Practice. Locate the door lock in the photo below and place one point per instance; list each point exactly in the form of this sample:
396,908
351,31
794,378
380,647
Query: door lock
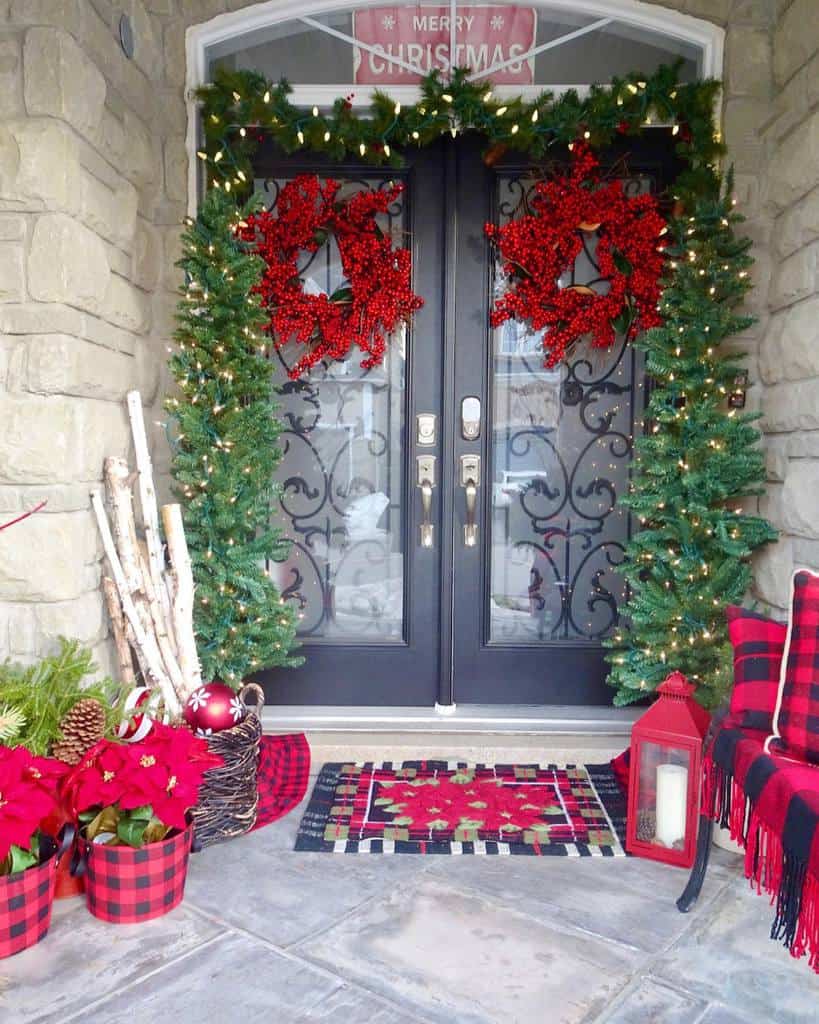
470,481
425,429
470,418
425,481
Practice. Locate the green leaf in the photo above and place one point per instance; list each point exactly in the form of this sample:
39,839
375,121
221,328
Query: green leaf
144,813
131,831
20,859
620,261
405,820
105,820
342,295
623,320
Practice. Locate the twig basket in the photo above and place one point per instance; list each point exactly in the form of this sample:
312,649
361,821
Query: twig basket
229,795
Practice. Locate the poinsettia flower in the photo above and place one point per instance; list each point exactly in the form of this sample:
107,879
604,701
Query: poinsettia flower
28,794
164,770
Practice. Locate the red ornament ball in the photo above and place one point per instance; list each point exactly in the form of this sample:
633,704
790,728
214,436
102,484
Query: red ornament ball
212,708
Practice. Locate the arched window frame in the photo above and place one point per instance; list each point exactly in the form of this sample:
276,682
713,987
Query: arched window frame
707,37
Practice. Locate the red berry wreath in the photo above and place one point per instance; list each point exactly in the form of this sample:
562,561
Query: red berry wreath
537,248
376,295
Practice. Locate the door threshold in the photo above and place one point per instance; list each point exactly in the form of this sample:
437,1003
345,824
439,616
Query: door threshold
479,719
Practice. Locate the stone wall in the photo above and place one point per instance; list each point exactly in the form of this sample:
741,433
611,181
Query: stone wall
91,199
789,349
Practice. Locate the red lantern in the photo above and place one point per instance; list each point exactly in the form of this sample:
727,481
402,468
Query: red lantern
665,772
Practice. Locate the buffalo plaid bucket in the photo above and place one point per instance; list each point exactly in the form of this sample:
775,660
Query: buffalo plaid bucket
25,904
125,885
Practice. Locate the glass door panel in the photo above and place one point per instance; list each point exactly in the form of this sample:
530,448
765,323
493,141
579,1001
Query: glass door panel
560,455
341,476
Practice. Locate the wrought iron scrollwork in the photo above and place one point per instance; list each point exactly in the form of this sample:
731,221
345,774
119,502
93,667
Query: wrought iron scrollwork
558,534
341,445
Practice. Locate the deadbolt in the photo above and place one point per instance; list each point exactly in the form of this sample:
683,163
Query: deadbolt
470,418
425,432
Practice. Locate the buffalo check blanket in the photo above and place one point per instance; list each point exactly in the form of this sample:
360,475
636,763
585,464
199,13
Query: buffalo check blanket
771,806
282,776
450,807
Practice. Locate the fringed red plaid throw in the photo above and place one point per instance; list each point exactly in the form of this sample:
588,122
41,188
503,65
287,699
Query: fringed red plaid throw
771,806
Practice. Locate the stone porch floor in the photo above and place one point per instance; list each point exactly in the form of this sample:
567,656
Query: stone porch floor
268,935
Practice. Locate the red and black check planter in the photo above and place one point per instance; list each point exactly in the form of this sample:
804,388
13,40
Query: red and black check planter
126,885
26,898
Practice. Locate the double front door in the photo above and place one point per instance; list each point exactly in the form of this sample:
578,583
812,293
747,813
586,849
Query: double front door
454,512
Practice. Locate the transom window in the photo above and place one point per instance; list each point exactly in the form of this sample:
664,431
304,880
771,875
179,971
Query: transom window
351,51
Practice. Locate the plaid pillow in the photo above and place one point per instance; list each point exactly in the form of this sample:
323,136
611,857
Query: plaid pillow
796,719
758,644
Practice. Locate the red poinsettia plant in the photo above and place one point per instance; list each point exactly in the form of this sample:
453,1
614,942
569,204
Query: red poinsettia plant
136,793
538,248
28,795
376,295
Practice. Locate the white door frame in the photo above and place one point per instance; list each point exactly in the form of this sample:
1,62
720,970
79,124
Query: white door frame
709,38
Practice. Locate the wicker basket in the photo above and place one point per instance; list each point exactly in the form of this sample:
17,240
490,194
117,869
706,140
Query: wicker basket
229,795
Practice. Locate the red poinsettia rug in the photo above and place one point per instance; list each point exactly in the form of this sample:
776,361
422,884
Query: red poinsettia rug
449,807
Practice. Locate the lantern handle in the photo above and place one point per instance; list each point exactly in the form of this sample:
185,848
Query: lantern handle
676,686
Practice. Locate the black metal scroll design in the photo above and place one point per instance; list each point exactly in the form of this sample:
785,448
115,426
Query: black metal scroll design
340,444
562,529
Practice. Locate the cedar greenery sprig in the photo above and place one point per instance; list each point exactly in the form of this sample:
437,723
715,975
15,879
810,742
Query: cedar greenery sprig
239,108
43,693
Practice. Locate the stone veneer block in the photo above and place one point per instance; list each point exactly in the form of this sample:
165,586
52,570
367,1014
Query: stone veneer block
111,212
790,349
795,406
794,278
39,165
65,565
800,499
58,364
796,38
58,439
789,175
127,306
67,263
60,80
12,276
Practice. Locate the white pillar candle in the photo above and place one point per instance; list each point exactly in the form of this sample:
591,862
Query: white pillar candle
672,790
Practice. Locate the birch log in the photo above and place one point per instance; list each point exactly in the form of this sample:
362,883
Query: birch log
144,640
126,664
150,515
183,598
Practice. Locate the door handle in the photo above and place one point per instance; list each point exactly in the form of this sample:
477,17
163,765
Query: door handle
425,483
470,481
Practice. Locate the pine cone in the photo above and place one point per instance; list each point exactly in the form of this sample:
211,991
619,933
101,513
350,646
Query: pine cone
81,728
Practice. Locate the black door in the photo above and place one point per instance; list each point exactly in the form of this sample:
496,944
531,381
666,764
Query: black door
507,597
534,581
368,591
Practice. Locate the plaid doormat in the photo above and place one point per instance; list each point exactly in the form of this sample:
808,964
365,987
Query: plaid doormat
451,807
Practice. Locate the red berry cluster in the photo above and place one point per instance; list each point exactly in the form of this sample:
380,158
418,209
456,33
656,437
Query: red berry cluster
539,247
377,294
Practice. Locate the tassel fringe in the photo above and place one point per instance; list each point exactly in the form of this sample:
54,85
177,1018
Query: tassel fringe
793,890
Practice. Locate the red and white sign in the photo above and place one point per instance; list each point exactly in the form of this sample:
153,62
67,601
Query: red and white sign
420,36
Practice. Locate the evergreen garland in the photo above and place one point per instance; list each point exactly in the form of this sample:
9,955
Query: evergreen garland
226,449
241,107
696,463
